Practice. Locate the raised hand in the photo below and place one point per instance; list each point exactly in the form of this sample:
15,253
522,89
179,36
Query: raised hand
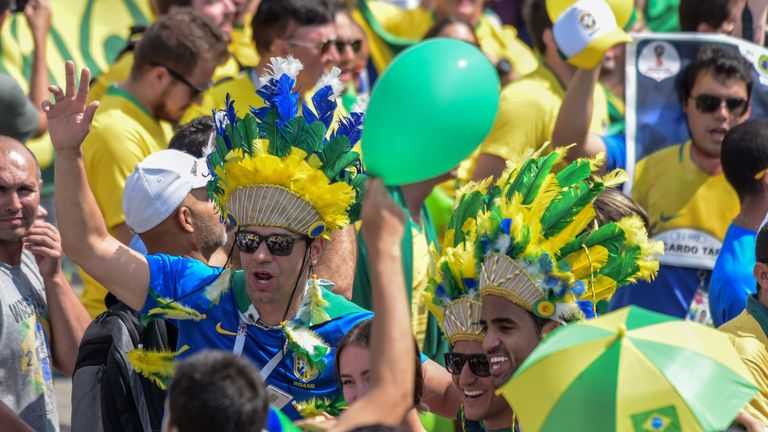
69,118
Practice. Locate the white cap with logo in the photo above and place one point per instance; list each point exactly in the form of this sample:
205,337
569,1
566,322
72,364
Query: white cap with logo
158,186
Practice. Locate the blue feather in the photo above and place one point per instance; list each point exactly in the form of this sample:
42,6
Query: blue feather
260,113
285,100
309,115
323,105
505,226
231,113
220,129
351,127
587,308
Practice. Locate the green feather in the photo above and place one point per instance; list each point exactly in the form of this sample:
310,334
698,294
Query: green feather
545,167
579,170
563,209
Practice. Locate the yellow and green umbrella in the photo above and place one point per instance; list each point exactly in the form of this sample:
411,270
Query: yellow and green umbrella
630,370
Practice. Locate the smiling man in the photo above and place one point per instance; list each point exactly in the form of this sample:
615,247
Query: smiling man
545,262
684,191
284,200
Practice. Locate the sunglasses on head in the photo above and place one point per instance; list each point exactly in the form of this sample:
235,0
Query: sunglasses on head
708,104
324,46
478,363
277,244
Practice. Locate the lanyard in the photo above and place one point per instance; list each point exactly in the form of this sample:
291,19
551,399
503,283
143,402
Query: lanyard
242,332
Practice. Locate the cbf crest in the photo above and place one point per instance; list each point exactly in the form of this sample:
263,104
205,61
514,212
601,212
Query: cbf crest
303,369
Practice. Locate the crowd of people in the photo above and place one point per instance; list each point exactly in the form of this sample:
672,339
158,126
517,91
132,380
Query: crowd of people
241,270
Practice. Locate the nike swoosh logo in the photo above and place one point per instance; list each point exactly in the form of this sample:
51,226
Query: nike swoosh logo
223,331
664,218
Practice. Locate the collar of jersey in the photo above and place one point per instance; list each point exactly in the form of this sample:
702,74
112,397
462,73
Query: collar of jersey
114,90
758,312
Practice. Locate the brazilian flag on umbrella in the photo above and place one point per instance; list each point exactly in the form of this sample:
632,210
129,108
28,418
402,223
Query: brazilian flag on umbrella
630,370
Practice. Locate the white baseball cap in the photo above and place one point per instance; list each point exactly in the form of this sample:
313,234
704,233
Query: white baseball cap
158,185
585,31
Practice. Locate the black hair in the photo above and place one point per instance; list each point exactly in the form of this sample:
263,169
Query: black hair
713,13
725,63
761,247
537,20
743,154
450,20
276,18
360,336
217,391
193,137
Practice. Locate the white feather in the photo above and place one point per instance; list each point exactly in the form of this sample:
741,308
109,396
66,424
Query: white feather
279,66
331,79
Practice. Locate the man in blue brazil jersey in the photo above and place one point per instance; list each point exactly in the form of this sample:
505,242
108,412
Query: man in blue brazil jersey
284,201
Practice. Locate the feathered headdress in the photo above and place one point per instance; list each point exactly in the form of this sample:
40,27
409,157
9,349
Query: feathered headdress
276,167
540,249
452,293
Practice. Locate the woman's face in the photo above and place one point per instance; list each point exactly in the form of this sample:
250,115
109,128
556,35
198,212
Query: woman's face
354,371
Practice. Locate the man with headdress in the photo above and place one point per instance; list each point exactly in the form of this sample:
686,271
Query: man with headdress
286,187
455,301
544,261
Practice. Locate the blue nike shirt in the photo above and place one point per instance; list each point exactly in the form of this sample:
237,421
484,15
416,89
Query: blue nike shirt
184,279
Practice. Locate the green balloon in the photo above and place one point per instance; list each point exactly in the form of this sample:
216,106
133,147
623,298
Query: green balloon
429,110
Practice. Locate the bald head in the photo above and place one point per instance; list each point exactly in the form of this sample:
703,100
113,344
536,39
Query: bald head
19,191
10,146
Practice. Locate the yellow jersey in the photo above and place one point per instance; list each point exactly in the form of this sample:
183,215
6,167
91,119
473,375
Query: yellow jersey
689,210
123,133
242,46
749,339
527,115
382,20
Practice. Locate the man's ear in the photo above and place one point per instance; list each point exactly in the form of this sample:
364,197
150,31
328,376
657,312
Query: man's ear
184,218
316,250
548,327
760,271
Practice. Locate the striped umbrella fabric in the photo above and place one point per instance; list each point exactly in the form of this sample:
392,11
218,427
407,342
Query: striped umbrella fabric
630,370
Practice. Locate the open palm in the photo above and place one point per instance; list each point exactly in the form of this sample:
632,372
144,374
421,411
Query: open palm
69,118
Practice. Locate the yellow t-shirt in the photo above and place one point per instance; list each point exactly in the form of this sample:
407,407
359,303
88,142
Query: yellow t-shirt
527,116
243,92
241,89
421,261
410,26
750,341
688,209
123,133
242,46
121,69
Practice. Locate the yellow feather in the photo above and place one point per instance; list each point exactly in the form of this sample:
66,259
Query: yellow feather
585,262
549,190
613,178
157,366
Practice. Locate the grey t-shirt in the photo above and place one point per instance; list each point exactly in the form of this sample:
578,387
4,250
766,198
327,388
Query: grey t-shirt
19,117
26,374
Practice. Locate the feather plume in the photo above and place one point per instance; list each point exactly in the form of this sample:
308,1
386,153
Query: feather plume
174,310
157,366
306,345
332,80
218,287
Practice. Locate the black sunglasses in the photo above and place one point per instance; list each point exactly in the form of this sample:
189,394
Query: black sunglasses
277,244
324,46
196,90
708,104
478,363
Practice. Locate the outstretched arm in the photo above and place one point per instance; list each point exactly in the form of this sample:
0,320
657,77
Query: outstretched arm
575,115
84,236
392,367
